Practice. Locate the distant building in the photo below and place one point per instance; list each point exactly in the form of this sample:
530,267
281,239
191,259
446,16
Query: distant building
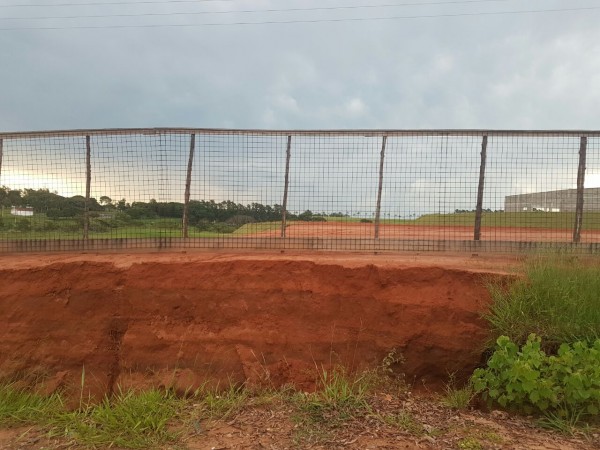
553,201
21,211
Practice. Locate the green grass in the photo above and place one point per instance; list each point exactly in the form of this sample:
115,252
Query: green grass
339,398
557,299
40,227
19,406
559,220
404,421
130,420
458,398
258,227
215,404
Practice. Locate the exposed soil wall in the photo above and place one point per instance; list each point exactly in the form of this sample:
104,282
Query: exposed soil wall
185,322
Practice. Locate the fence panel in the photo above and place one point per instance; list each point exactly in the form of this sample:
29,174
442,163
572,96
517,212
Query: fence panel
591,197
34,171
427,179
530,191
333,187
371,190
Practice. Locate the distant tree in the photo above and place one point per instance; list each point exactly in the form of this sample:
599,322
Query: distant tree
105,200
122,205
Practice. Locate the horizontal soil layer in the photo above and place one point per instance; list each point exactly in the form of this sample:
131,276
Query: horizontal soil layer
141,320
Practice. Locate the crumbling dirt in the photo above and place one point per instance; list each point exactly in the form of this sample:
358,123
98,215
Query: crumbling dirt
182,320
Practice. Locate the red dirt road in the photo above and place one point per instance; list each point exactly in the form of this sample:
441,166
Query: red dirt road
430,232
145,319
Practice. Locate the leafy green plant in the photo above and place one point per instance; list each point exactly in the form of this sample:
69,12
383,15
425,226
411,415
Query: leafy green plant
565,385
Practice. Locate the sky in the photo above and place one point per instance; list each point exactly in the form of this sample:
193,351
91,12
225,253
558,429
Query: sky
329,64
482,70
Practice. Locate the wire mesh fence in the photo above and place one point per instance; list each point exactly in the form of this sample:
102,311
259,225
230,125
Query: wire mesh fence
438,190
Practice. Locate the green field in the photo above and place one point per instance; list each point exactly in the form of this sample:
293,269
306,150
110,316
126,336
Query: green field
41,227
560,220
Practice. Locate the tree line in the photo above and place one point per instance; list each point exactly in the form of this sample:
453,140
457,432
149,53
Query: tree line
55,206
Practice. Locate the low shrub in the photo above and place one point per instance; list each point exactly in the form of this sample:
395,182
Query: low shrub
565,385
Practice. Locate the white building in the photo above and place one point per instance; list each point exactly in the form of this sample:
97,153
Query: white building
21,211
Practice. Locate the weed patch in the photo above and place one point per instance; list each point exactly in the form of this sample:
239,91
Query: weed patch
564,386
18,406
130,420
558,300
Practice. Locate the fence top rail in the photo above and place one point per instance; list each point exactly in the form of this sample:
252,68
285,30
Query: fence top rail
332,132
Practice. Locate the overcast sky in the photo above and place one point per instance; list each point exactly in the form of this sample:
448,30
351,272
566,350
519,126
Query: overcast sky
417,64
534,70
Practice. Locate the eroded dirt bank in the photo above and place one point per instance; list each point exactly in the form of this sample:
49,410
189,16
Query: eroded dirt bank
147,320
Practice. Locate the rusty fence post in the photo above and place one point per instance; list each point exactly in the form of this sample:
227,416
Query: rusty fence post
380,187
580,187
288,155
188,185
479,207
88,185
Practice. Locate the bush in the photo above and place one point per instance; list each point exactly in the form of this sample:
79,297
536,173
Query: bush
308,216
218,227
46,225
564,385
23,225
240,220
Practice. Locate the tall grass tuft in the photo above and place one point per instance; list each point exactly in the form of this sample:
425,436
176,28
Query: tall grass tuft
129,420
557,299
19,406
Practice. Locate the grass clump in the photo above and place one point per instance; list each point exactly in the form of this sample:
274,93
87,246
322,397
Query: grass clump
558,300
458,397
339,398
129,420
405,422
220,404
19,406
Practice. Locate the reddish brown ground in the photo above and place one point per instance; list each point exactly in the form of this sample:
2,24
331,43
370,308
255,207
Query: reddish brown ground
149,319
366,230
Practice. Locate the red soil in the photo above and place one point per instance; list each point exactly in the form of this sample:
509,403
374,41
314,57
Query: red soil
183,319
430,232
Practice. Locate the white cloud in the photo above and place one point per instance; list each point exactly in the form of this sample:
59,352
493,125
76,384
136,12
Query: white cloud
355,107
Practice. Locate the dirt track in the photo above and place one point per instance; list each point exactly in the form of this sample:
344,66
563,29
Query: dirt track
430,232
174,318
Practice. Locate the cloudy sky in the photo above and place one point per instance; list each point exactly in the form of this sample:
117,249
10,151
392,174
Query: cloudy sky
418,64
301,64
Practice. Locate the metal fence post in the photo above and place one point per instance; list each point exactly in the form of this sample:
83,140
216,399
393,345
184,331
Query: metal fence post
188,185
88,184
1,153
479,207
288,155
580,187
379,189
